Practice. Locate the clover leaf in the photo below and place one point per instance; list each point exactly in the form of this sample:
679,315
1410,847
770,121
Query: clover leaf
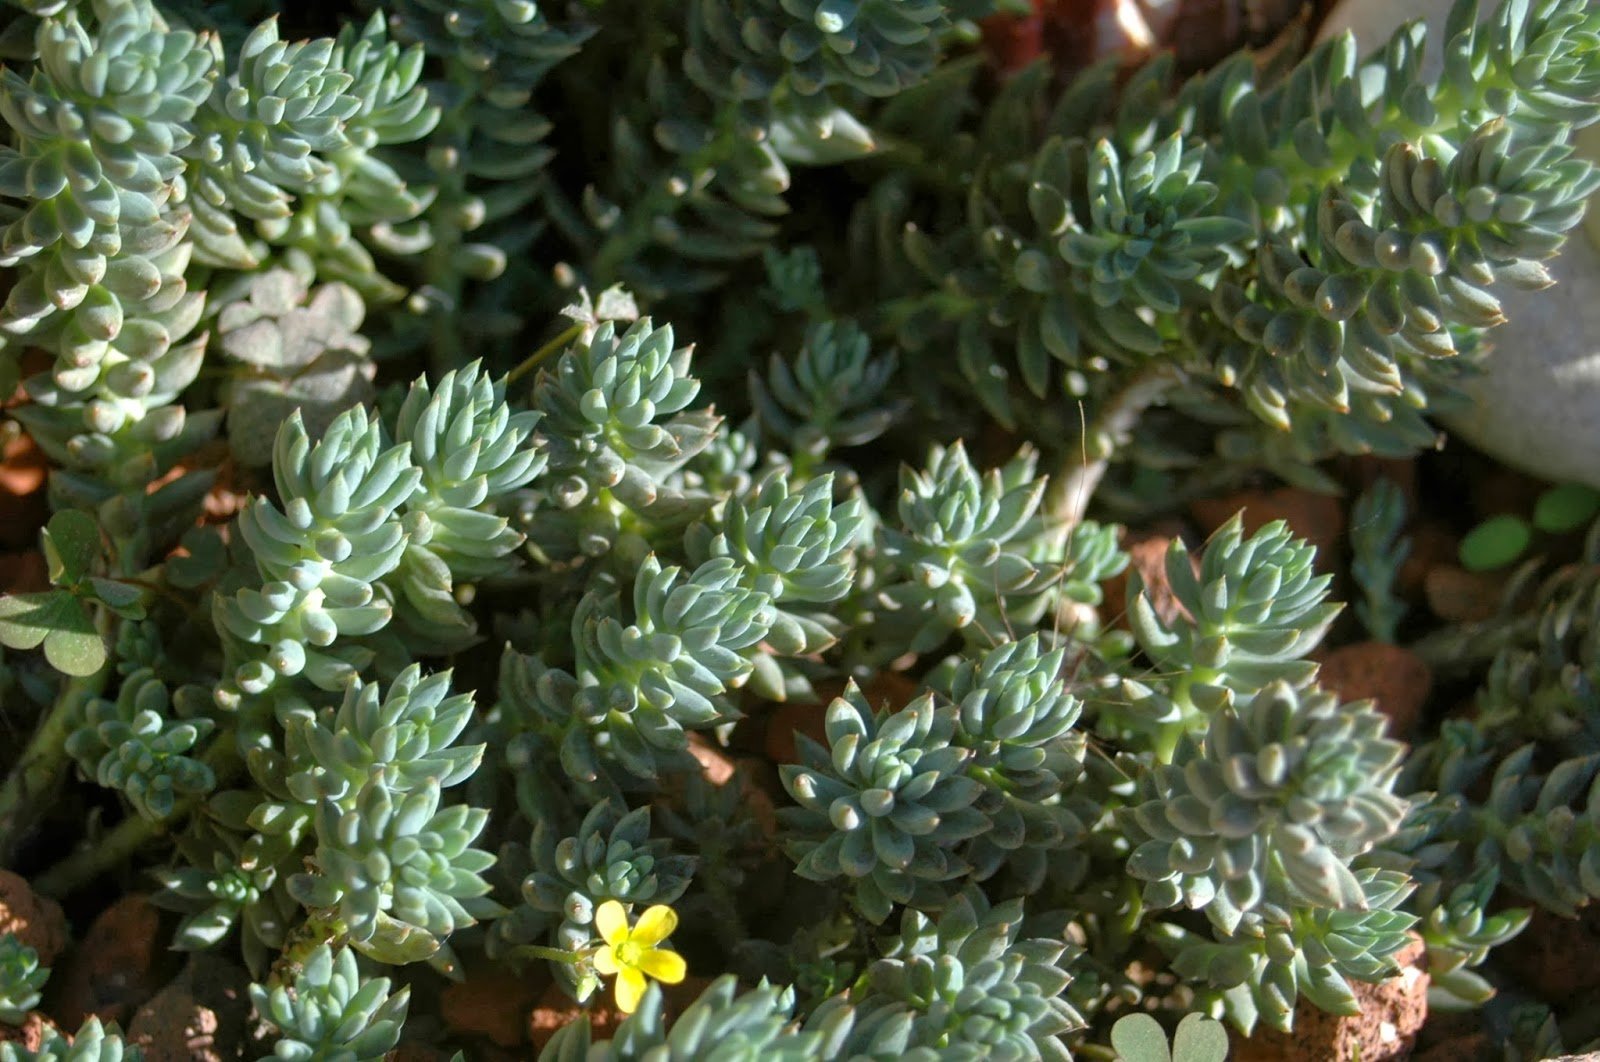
59,622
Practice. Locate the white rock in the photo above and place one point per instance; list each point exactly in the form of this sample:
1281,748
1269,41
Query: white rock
1537,407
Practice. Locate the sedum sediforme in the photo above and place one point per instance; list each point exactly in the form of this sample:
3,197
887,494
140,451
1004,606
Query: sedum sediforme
1321,242
968,985
471,450
798,549
634,694
93,1042
617,417
1273,957
1254,609
331,1011
353,505
833,395
397,866
612,856
139,744
1280,795
99,237
884,805
320,555
1522,771
21,978
961,556
483,167
1017,719
208,233
721,1023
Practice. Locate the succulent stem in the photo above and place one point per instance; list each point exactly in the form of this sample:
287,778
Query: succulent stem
1073,484
39,768
109,850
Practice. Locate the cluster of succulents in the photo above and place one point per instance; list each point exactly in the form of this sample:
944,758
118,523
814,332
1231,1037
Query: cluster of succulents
407,289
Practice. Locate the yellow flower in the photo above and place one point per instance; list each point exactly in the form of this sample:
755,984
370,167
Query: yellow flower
632,955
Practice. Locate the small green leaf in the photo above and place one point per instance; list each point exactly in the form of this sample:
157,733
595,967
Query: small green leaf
1140,1038
125,599
59,622
1200,1039
71,546
25,619
78,652
1566,508
206,559
1495,543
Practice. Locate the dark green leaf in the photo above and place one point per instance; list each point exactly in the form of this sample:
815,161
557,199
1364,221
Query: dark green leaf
1566,508
125,599
71,546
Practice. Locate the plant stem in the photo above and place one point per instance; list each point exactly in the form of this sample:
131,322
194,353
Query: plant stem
1073,484
663,200
41,765
533,360
540,951
124,839
38,771
109,851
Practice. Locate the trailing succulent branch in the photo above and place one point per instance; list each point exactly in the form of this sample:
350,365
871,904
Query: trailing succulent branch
587,633
1325,244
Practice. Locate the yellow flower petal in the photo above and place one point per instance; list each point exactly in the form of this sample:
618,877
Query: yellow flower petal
667,967
655,925
605,961
630,989
611,919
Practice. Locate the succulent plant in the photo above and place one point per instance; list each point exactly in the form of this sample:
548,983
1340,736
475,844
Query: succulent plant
1270,808
720,1023
951,553
320,556
1249,616
93,1042
100,250
331,1011
1016,717
140,745
565,879
617,425
473,453
1378,551
968,985
354,395
402,737
398,870
832,396
629,701
797,548
884,805
1277,955
21,977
